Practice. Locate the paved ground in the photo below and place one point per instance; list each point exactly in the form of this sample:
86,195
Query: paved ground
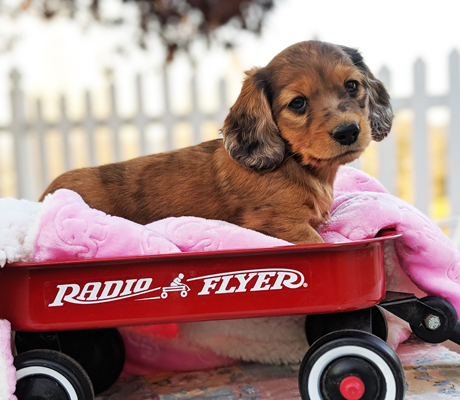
432,373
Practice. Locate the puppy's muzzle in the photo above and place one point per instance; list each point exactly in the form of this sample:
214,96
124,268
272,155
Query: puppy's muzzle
346,134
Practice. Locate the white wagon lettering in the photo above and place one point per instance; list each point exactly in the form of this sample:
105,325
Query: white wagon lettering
253,281
101,292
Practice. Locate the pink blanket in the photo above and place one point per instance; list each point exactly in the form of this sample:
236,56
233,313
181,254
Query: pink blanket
426,255
423,261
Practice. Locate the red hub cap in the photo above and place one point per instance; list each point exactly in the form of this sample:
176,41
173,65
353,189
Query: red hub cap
352,388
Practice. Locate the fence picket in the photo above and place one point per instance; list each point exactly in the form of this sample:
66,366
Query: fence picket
422,173
140,120
113,119
168,118
195,119
223,110
41,131
19,131
90,127
387,148
453,181
64,128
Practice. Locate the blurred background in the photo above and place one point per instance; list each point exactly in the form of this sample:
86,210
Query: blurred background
88,82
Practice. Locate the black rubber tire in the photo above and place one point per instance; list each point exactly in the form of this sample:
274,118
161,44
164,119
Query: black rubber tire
316,325
379,323
341,354
100,352
448,316
50,375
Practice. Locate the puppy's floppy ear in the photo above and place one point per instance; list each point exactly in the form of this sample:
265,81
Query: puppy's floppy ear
380,112
250,134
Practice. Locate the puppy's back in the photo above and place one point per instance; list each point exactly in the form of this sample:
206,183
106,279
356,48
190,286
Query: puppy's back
152,187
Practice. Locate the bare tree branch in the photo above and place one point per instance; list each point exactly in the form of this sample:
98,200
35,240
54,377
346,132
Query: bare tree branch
177,23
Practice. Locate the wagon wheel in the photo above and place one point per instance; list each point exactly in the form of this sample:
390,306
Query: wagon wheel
100,352
50,375
379,323
351,365
445,321
318,325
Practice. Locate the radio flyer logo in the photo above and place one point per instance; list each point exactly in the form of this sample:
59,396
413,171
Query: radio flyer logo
176,286
269,279
101,292
252,281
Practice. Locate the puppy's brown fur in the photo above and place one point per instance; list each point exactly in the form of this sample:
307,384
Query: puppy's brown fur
274,169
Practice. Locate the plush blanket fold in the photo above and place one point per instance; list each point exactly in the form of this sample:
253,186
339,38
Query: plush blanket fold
63,227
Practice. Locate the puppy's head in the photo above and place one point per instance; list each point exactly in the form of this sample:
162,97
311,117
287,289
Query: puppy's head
316,100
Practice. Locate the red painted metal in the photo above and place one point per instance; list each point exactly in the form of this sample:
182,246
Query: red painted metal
309,279
352,388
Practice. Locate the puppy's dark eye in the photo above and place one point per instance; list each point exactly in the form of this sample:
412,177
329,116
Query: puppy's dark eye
352,87
298,104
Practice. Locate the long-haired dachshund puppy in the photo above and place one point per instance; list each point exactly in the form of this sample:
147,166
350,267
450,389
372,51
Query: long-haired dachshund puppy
314,107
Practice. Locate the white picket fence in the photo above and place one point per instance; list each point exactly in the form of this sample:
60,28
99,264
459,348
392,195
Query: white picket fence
30,157
419,103
22,129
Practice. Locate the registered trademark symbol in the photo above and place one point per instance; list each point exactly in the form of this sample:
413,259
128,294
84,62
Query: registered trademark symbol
305,285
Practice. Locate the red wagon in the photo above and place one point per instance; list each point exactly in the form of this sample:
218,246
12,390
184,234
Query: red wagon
65,313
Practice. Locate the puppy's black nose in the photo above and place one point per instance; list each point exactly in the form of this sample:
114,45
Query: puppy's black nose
346,134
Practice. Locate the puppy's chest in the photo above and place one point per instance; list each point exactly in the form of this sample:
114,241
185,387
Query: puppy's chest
291,204
317,206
